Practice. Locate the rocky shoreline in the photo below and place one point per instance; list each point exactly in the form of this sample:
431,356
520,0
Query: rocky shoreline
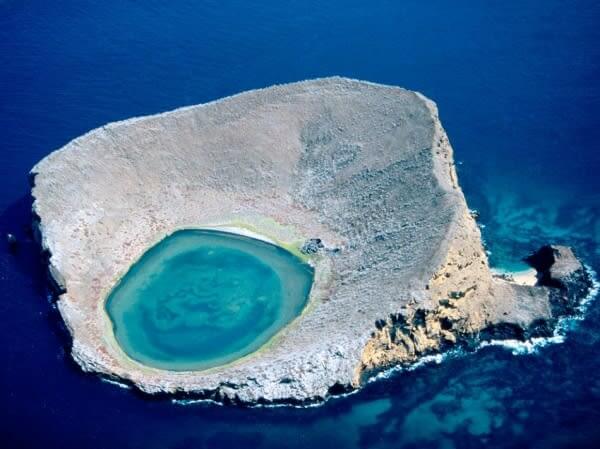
562,281
358,177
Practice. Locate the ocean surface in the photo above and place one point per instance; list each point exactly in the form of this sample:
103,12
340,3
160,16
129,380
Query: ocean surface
518,88
200,299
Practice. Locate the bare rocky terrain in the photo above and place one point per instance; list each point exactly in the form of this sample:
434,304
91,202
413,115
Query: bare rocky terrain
366,168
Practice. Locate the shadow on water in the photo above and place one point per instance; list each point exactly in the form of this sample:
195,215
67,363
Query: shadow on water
29,269
25,255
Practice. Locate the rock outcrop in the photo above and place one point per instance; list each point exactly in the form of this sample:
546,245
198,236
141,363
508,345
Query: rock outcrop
358,176
563,273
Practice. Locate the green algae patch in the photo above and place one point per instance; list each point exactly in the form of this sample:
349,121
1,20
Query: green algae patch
204,298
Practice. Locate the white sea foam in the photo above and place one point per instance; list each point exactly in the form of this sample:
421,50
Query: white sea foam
116,382
189,402
518,347
429,359
423,361
195,401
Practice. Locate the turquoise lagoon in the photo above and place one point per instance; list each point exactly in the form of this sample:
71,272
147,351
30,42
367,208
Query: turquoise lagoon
203,298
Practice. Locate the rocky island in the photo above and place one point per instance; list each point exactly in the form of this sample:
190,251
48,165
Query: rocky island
355,178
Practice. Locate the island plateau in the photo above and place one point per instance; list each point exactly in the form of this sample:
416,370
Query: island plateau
355,180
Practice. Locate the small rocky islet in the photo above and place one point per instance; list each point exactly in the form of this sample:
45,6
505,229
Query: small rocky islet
357,178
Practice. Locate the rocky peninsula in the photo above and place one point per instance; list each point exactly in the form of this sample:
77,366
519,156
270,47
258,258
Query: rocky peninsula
357,177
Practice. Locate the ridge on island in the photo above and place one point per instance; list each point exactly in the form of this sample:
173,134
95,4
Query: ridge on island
358,175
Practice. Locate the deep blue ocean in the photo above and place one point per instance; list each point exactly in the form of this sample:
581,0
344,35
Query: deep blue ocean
518,88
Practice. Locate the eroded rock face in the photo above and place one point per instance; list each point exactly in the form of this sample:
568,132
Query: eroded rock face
357,175
559,269
473,305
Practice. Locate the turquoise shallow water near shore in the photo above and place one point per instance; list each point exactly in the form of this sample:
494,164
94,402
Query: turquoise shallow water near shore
202,298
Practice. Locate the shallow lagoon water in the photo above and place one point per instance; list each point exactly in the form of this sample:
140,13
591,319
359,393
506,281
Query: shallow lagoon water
202,298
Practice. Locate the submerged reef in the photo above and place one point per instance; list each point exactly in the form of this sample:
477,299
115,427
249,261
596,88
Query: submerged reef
355,177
